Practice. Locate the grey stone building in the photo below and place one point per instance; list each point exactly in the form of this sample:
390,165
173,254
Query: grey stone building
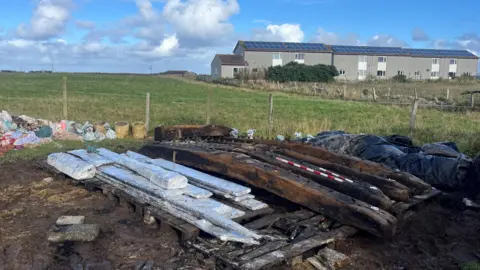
352,62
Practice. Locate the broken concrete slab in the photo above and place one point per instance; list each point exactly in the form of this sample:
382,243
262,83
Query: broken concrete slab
78,232
70,220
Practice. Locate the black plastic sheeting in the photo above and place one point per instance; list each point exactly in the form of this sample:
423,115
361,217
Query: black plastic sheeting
439,164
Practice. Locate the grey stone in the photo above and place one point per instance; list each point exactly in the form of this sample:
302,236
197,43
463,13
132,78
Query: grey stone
144,265
70,220
106,265
81,232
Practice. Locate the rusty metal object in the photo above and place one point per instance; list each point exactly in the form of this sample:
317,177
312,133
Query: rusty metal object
163,133
283,183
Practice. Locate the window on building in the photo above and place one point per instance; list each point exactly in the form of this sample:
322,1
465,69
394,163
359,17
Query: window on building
382,59
453,61
400,72
299,56
254,70
381,73
361,73
417,73
434,74
452,75
235,70
216,71
341,72
277,56
435,61
362,58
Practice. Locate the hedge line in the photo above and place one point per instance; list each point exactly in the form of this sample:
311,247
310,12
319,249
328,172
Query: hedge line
295,72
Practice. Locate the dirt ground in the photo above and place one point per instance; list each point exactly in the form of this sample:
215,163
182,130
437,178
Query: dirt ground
436,237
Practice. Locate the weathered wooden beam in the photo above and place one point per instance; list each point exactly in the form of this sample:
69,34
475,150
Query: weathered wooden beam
357,189
414,183
295,188
190,131
389,187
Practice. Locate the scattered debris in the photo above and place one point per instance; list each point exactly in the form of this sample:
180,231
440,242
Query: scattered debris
79,232
329,259
48,180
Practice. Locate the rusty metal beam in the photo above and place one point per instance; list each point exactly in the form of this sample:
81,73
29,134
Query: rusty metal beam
283,183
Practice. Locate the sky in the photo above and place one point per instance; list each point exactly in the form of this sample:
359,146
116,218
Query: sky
134,35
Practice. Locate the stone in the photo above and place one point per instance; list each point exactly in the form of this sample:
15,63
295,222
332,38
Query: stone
80,232
144,265
106,265
48,180
70,220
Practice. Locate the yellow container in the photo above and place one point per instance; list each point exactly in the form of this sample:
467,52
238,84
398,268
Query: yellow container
138,130
100,127
122,128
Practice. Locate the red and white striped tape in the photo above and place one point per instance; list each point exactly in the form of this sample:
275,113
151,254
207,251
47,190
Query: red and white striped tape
323,172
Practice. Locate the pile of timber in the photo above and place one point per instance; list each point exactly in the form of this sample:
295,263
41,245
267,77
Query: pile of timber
165,186
357,193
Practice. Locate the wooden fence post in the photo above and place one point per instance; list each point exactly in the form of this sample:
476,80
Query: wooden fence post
147,114
415,93
413,115
209,101
344,91
472,100
374,94
270,116
448,93
65,108
296,88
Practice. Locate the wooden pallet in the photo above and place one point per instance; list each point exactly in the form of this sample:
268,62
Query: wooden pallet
292,234
185,230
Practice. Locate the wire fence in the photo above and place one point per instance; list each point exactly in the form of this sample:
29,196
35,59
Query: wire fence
281,114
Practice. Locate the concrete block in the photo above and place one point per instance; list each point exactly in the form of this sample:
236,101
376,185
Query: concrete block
81,232
70,220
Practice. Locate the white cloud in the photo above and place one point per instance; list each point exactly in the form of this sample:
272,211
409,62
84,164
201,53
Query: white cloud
201,19
386,41
419,35
49,19
85,24
284,32
335,39
166,48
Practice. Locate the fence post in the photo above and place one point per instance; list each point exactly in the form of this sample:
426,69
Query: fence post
344,91
270,116
65,109
413,115
374,94
209,101
296,89
147,114
415,92
448,93
472,100
389,92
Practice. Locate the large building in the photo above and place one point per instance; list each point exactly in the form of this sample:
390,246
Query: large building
352,62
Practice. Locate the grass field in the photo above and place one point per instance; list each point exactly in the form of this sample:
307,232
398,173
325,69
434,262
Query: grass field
111,98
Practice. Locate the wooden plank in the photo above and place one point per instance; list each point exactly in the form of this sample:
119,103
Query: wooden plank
416,184
267,248
356,189
188,231
389,187
332,258
263,222
401,207
296,249
284,184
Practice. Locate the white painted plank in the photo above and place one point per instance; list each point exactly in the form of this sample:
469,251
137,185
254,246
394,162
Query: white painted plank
195,176
91,158
156,175
188,204
71,166
196,192
253,204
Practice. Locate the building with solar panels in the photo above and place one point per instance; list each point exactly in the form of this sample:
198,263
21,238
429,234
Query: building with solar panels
352,62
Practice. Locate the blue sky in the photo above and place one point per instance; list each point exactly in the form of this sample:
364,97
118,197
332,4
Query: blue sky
130,35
